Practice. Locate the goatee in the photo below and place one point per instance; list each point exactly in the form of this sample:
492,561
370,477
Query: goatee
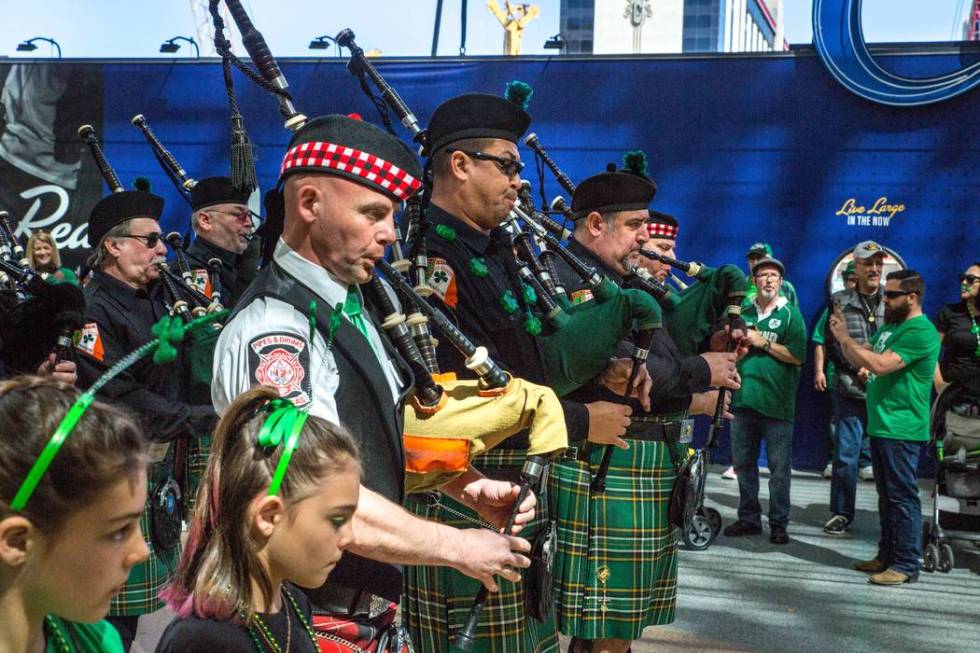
898,314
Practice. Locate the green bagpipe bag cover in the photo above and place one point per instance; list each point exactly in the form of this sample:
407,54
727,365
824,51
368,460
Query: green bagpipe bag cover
692,312
590,334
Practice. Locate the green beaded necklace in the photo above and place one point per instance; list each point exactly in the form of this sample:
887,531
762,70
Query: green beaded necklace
270,641
54,632
974,329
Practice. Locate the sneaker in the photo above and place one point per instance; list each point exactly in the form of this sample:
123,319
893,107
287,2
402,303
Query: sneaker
836,525
892,577
778,534
873,566
866,473
741,528
729,474
828,471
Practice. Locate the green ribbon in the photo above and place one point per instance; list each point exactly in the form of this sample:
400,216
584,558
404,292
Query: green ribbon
532,325
446,232
509,302
530,297
478,267
169,333
282,427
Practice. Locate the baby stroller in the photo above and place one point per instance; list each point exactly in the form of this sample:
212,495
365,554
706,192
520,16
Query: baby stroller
955,425
698,524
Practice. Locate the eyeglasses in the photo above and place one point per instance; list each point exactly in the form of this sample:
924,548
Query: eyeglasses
969,279
241,215
895,294
508,166
150,240
767,275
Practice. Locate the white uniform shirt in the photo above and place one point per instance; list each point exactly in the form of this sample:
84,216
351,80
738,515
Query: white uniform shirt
267,343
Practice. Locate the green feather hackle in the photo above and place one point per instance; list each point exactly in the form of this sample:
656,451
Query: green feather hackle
142,183
635,161
519,93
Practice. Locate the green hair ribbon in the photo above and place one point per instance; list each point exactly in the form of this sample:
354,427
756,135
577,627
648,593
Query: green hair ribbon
169,333
283,427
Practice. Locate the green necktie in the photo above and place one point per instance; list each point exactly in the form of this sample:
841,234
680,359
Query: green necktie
353,311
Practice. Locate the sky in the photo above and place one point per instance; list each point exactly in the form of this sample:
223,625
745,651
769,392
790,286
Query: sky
135,28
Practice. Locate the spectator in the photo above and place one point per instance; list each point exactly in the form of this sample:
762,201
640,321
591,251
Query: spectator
824,375
863,310
764,407
959,330
43,257
756,253
901,364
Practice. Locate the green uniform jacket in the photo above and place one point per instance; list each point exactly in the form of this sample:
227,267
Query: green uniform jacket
768,384
898,403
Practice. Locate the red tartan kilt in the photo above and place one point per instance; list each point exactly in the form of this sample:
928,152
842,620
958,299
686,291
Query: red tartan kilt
342,635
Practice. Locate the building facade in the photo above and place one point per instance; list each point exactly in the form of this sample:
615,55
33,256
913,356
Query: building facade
671,26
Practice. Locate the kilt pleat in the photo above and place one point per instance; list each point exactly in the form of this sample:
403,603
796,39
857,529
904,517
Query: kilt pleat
436,601
616,561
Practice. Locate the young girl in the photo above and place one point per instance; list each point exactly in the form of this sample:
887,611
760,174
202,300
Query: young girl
68,549
275,505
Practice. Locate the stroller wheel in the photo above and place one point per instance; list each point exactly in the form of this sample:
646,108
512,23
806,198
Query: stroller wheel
698,534
930,558
714,519
946,558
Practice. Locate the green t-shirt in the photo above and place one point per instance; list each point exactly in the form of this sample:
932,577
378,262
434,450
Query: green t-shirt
99,637
819,337
898,403
768,384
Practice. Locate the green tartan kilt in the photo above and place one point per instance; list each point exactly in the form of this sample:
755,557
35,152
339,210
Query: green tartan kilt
436,601
616,559
140,594
198,451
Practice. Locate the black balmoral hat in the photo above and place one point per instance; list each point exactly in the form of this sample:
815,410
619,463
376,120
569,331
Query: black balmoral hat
612,191
356,150
119,207
475,115
216,190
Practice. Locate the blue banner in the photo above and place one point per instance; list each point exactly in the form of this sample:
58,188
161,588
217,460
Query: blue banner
743,149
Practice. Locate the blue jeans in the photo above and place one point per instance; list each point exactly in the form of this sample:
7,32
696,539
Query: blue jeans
748,429
832,430
899,509
852,420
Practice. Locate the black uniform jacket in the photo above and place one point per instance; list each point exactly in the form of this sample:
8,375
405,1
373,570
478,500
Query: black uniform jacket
118,321
474,303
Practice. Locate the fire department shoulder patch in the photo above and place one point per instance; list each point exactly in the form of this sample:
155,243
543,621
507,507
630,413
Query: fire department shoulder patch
89,341
441,278
201,282
581,296
282,360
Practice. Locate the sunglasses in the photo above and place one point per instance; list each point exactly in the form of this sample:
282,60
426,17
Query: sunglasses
150,240
895,294
508,166
969,279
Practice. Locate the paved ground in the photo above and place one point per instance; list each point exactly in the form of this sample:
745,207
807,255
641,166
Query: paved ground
747,595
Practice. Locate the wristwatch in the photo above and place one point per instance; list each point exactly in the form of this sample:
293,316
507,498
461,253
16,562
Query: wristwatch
766,347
